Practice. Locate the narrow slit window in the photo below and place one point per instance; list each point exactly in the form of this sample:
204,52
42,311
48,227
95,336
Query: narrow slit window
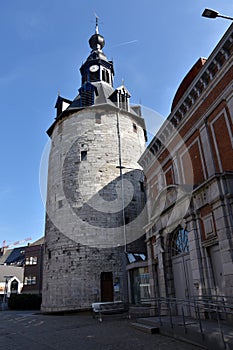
83,155
142,186
135,129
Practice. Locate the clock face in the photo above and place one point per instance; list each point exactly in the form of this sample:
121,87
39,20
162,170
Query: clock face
94,68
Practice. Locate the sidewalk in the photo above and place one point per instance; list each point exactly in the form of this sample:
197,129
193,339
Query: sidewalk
208,336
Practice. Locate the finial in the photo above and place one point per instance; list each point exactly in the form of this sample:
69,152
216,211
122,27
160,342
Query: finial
58,93
96,41
96,24
123,82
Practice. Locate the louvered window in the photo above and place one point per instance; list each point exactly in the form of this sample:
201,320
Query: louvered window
87,95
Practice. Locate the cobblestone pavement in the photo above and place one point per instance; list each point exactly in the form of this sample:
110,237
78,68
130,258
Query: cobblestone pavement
31,331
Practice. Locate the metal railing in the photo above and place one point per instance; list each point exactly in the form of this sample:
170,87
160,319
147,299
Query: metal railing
200,308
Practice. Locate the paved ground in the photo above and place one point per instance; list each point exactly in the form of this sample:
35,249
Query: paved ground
30,331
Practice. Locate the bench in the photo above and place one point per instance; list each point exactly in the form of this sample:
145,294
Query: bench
109,308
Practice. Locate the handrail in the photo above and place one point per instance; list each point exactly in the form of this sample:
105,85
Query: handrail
192,302
197,304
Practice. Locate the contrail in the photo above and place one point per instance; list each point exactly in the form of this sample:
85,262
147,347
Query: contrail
125,43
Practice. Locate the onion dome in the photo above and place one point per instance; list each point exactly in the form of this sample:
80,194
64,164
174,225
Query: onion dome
97,41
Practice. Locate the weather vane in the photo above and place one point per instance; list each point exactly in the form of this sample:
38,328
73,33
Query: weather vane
96,23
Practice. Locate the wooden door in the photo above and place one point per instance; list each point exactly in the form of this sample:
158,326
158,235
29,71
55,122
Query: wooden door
106,286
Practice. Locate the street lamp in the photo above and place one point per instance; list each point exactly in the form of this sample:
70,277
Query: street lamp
213,14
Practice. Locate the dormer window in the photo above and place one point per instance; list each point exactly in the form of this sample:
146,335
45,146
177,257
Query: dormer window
121,97
61,104
123,100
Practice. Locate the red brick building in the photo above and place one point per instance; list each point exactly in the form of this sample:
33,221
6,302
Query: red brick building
189,170
33,268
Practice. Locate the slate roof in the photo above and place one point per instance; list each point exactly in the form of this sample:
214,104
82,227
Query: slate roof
38,241
4,257
16,257
16,271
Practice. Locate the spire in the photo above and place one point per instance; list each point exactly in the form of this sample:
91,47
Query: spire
96,68
96,41
96,24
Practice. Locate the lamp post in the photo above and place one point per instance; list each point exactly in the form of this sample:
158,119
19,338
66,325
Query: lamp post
214,14
123,202
7,279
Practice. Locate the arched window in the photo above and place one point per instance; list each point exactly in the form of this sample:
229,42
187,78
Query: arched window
180,243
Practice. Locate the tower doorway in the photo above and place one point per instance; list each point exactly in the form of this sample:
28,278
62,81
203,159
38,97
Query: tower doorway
106,286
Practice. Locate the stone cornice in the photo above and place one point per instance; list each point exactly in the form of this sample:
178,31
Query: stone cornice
209,75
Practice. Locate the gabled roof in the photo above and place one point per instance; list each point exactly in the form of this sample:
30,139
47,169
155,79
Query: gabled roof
16,271
123,90
60,100
38,241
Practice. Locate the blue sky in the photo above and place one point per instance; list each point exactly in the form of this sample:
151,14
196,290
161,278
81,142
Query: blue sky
43,44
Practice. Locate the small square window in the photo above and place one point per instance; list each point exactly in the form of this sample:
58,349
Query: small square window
98,118
29,280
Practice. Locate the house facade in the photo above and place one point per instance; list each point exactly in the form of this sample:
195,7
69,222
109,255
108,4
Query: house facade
11,281
33,267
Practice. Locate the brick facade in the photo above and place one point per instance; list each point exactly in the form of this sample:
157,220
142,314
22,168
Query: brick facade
33,268
189,171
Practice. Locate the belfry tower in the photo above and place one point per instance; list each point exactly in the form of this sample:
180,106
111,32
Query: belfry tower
95,197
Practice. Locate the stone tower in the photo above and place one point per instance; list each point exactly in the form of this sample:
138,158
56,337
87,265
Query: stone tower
95,197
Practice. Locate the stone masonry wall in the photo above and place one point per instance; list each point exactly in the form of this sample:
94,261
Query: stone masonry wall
85,233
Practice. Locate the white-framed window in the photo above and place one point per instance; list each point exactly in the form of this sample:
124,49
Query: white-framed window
29,280
31,260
